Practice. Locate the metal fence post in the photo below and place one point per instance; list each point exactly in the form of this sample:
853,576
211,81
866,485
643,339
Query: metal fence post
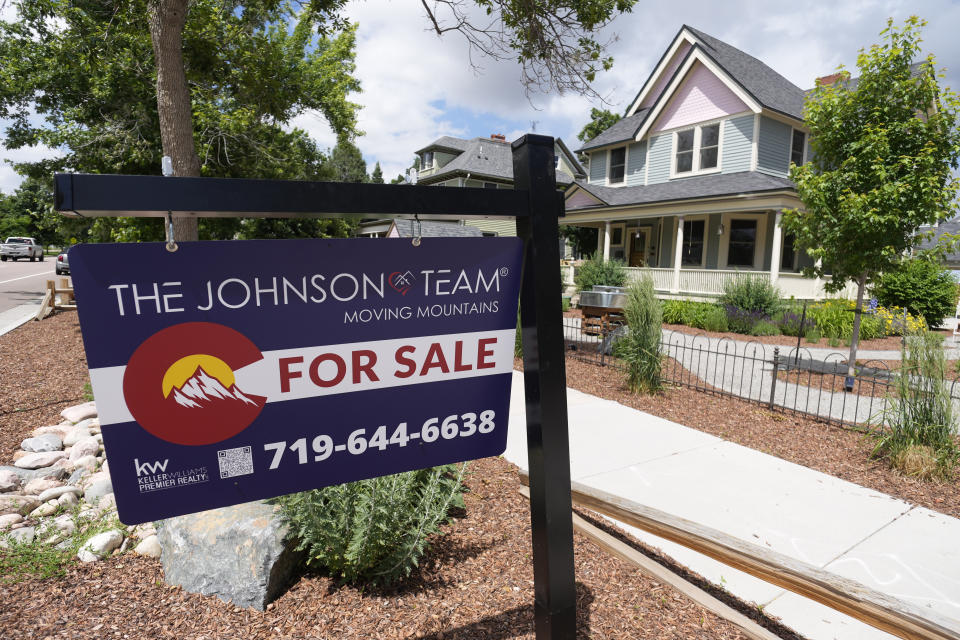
544,379
773,381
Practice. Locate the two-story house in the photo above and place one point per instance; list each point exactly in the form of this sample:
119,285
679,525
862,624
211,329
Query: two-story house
689,186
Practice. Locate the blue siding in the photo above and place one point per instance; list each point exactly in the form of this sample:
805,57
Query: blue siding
636,163
737,144
660,150
598,167
773,147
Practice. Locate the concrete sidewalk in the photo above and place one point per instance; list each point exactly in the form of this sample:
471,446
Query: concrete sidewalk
907,552
13,318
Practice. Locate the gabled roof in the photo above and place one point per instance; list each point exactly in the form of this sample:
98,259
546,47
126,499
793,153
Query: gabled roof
625,130
446,143
768,87
435,229
488,158
714,185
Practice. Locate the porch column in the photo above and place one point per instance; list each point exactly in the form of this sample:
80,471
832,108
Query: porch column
776,249
606,241
818,282
677,255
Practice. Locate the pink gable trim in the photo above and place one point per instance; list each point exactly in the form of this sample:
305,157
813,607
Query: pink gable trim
666,75
702,96
392,232
580,200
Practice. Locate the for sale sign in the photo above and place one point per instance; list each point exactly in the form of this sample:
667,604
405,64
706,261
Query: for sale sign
227,372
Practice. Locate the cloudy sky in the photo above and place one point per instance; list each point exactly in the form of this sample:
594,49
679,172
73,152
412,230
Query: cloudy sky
417,86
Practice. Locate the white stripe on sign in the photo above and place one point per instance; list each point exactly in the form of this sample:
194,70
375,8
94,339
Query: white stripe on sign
309,372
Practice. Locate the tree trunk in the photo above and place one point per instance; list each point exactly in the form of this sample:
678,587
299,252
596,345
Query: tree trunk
167,18
855,337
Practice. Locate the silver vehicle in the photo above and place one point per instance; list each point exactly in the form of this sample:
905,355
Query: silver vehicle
17,247
63,264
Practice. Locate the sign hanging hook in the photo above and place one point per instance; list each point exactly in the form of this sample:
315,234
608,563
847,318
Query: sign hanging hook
419,233
171,243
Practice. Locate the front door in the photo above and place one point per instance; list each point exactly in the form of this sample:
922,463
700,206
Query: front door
639,241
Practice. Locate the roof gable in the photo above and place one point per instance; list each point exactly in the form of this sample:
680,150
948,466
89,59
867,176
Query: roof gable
700,96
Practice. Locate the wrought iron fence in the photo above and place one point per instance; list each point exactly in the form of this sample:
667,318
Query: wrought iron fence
781,377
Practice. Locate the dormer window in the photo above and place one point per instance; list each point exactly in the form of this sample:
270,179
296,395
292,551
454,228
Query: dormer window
697,149
797,146
427,162
618,164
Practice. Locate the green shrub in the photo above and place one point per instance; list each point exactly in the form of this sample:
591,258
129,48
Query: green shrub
812,335
922,286
640,347
832,317
673,311
699,315
921,415
764,328
374,530
611,273
752,294
715,319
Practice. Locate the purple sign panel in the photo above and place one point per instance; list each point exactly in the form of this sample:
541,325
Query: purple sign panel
227,372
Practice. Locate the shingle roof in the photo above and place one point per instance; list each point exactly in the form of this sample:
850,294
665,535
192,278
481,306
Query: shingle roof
446,142
435,229
485,158
770,88
624,130
717,184
951,227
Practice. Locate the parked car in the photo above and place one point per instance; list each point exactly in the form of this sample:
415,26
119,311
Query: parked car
15,248
63,264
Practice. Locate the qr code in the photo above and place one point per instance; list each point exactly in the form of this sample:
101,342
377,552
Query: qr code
235,462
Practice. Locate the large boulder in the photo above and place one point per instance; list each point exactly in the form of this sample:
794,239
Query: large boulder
80,412
41,443
242,554
39,460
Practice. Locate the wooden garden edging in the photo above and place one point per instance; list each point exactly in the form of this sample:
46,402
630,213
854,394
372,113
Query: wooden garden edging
49,302
876,609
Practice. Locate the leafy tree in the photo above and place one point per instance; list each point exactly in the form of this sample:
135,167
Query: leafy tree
399,179
583,239
88,69
600,121
29,212
377,176
347,162
883,149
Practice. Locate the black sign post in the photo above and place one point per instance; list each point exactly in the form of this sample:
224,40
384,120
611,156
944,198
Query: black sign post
534,203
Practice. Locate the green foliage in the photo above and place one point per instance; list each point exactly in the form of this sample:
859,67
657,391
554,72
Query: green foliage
921,414
764,328
883,151
347,162
600,121
812,335
921,286
673,311
752,295
597,271
715,319
834,318
700,315
640,347
377,176
374,531
582,239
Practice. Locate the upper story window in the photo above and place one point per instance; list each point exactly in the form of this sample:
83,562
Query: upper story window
427,162
618,164
797,145
697,149
489,185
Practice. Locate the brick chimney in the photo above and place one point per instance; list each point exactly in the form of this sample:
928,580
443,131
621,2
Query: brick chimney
498,136
832,79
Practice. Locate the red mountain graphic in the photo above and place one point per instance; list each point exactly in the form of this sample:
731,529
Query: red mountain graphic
201,391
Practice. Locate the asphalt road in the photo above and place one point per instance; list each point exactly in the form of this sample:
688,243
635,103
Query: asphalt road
22,282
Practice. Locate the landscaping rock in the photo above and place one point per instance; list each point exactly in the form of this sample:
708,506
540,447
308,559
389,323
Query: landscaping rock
86,463
89,446
80,412
9,481
39,460
100,546
89,424
19,454
59,430
26,475
45,442
75,435
98,485
39,485
149,547
56,492
18,504
68,500
23,535
46,509
241,554
9,519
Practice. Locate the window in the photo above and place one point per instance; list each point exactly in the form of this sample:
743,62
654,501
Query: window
427,160
489,185
743,242
618,163
616,236
698,149
789,248
796,147
691,252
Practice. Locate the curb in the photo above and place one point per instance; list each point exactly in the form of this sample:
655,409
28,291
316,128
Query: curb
13,318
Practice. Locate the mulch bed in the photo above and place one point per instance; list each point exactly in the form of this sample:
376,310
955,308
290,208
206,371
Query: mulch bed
891,343
44,371
833,450
476,583
834,383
